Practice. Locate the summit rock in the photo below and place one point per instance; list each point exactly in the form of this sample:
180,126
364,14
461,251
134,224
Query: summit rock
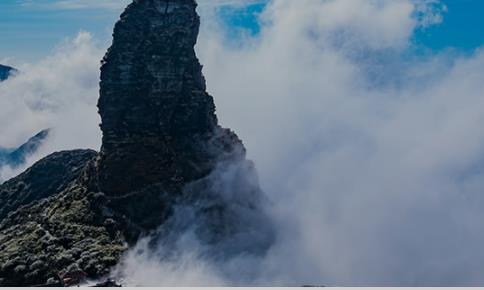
157,119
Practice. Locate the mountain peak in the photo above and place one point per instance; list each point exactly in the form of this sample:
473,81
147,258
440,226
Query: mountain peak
153,99
163,155
5,72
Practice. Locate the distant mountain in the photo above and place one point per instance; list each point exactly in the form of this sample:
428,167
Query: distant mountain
5,72
17,156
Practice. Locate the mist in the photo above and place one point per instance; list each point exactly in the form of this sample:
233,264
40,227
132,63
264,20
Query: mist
371,159
58,92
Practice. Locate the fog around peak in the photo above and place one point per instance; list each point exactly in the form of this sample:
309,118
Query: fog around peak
371,158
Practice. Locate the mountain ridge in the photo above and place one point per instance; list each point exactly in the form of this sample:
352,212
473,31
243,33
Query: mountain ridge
17,156
6,72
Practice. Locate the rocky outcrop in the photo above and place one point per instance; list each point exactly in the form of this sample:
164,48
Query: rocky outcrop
157,119
42,243
165,166
159,124
5,72
47,177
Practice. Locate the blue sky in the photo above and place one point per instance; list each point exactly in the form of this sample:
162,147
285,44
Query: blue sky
30,29
28,32
462,28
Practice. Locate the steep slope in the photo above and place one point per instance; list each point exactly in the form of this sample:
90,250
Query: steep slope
71,229
45,178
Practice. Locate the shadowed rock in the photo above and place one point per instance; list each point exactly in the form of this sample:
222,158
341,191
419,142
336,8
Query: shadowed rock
160,131
165,165
157,118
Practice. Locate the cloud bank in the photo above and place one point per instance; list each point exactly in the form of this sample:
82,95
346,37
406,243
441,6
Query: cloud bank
373,158
371,155
58,92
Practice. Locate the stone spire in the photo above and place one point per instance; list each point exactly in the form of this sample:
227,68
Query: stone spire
165,168
157,118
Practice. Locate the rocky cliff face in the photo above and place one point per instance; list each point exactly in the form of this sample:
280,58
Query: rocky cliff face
160,131
165,165
157,119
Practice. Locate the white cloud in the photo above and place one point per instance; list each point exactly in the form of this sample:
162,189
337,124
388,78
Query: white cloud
429,12
373,162
374,182
59,92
